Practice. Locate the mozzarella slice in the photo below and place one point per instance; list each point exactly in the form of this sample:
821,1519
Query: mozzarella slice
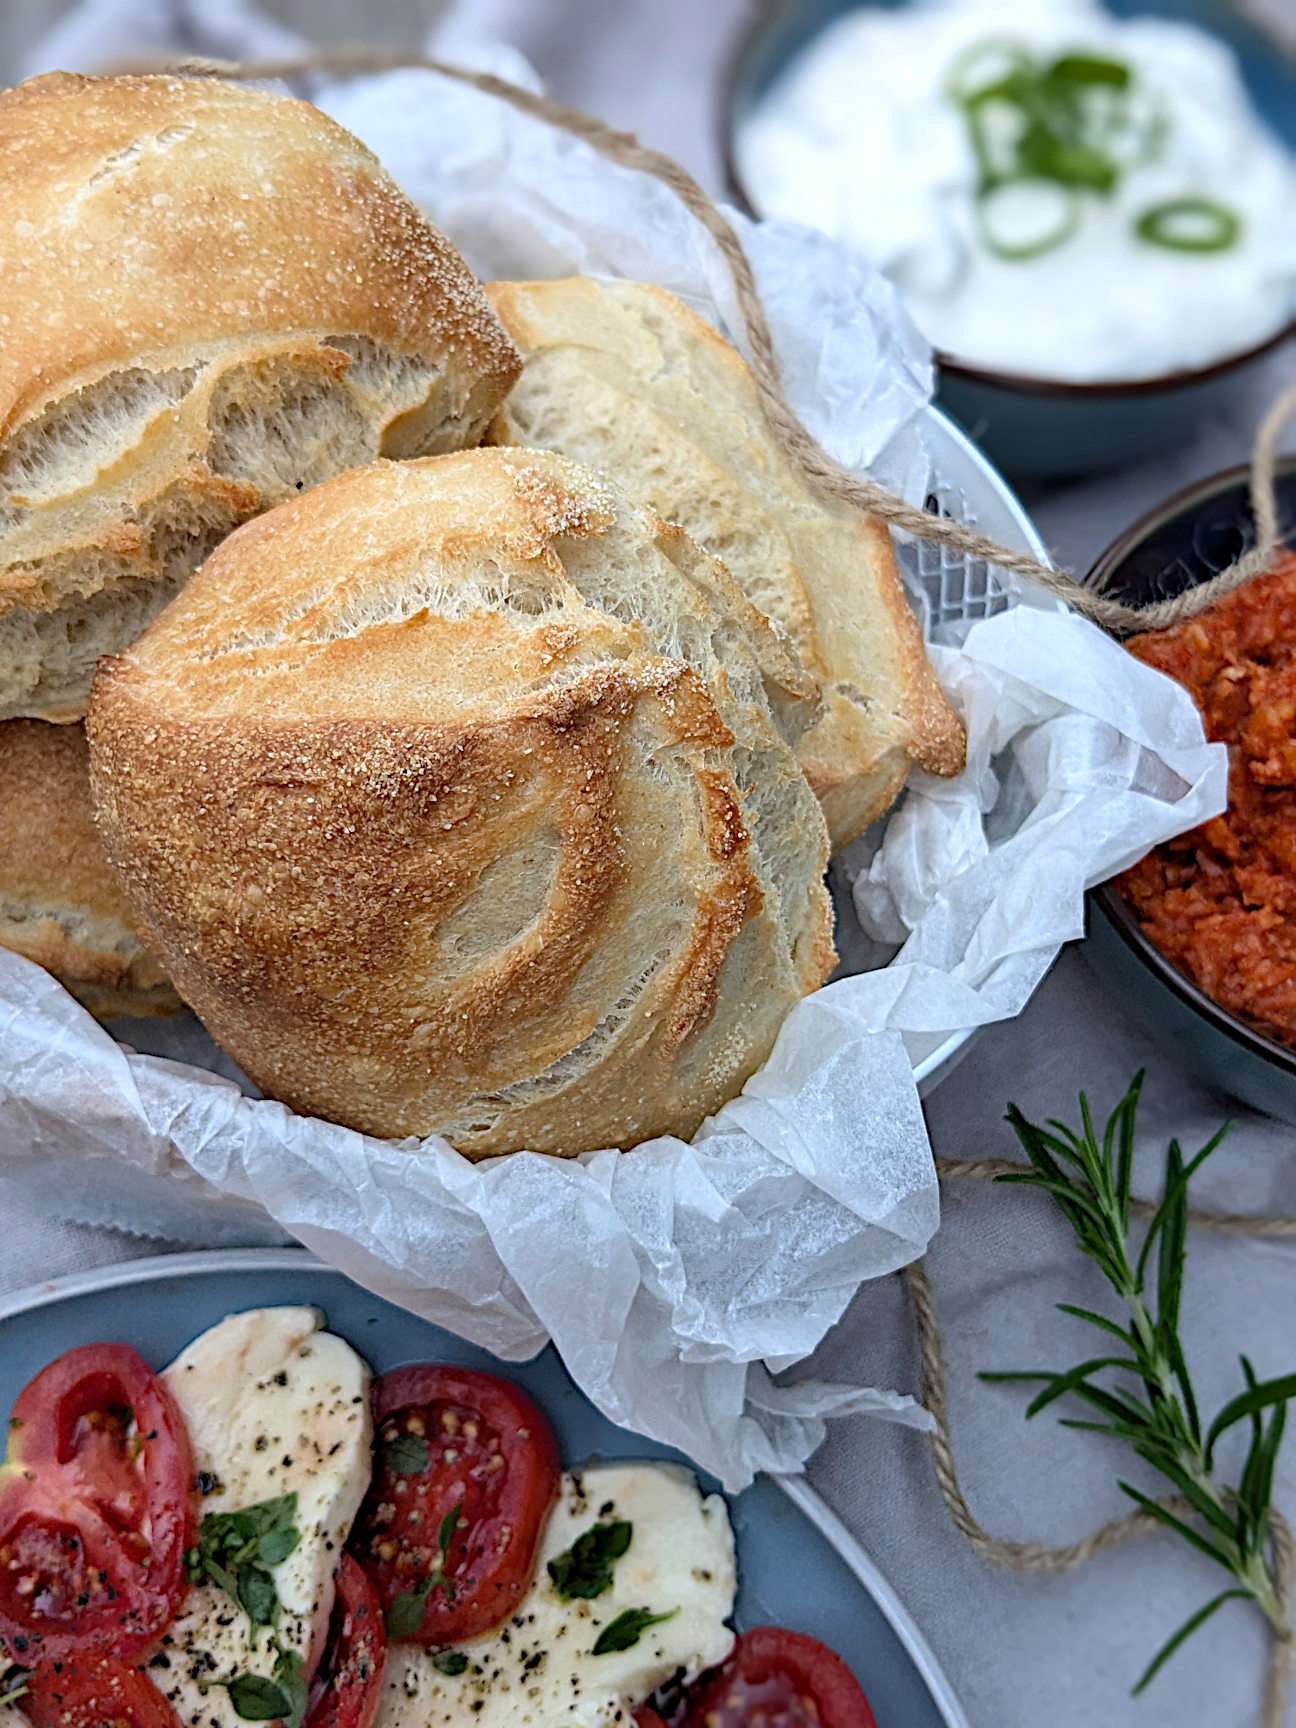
539,1667
273,1405
11,1717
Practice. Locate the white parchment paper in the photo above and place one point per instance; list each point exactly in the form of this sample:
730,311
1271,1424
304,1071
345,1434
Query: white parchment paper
673,1279
522,199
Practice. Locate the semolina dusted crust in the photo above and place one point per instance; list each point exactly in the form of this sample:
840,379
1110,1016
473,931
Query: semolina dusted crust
624,376
215,298
457,797
59,905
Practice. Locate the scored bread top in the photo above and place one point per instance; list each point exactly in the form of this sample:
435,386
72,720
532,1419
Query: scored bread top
59,905
624,376
215,298
142,215
457,798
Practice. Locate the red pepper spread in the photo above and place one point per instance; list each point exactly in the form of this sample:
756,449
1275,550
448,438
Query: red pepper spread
1220,901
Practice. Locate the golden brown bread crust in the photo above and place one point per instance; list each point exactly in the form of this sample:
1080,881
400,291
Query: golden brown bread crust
624,376
117,237
454,804
59,905
214,297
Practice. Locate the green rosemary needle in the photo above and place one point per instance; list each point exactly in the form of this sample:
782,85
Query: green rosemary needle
1159,1418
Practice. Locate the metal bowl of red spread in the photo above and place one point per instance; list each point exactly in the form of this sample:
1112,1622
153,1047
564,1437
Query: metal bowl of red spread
1199,937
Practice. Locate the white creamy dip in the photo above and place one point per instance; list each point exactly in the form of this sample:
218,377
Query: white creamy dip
860,137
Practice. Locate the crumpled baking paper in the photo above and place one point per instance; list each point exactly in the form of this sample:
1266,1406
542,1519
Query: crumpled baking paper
674,1280
522,199
663,1277
1077,765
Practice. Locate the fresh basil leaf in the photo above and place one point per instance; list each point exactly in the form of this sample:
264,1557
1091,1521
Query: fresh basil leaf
234,1550
276,1545
585,1569
257,1596
405,1616
449,1524
224,1535
257,1699
288,1674
280,1514
625,1631
406,1455
218,1574
450,1662
226,1531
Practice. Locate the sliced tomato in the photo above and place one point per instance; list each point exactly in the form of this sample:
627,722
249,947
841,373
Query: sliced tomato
783,1680
446,1439
94,1692
97,1508
348,1685
646,1718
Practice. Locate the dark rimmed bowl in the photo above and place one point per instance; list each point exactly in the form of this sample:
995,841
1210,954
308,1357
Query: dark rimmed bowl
1189,538
1038,428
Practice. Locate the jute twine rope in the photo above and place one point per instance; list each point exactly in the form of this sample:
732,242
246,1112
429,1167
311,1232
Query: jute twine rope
1035,1556
835,482
828,477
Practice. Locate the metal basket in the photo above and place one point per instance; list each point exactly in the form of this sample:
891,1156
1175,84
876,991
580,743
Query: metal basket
950,591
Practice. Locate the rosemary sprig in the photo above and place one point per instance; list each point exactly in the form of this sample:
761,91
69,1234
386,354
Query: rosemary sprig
1090,1181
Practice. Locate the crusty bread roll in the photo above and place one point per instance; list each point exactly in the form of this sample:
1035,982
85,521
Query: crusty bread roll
453,799
59,905
214,297
627,378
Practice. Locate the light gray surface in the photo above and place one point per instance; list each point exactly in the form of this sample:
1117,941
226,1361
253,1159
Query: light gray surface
1026,1650
1021,1651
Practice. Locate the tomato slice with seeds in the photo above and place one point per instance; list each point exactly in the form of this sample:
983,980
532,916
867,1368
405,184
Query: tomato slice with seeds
448,1438
94,1692
781,1680
348,1686
97,1509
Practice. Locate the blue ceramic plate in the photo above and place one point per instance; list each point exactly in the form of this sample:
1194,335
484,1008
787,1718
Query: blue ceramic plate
797,1566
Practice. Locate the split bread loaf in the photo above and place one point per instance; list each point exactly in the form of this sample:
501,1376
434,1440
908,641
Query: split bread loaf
625,377
456,798
214,298
59,905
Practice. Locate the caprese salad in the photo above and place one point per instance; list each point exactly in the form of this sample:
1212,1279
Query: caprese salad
259,1534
